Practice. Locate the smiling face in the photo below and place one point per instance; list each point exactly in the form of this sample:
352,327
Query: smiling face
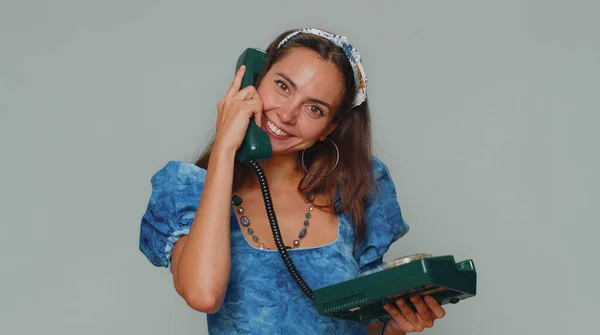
300,94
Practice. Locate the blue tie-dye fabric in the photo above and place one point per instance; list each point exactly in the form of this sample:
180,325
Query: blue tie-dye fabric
261,297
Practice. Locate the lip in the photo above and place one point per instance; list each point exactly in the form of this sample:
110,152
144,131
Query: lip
271,133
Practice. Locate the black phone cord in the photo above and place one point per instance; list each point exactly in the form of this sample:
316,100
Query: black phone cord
264,187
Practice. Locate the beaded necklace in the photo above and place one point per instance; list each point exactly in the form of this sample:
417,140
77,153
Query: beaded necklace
236,201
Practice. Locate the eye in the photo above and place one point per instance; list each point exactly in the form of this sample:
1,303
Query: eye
282,85
316,110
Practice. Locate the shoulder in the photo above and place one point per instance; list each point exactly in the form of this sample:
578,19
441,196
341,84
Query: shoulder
383,218
383,198
383,181
377,164
178,172
381,171
176,191
176,183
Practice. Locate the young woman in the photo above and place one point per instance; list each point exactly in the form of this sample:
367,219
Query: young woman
336,204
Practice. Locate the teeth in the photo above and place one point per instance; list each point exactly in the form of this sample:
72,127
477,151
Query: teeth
276,130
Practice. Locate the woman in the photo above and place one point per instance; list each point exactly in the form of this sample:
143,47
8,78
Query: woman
336,204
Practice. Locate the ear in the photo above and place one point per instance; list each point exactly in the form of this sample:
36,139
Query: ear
329,130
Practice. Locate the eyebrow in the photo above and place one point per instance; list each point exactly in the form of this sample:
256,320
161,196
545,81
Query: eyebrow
294,86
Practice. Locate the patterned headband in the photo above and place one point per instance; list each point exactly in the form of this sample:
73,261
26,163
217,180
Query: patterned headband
360,76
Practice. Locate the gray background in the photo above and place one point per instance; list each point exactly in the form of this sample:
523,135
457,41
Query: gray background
486,113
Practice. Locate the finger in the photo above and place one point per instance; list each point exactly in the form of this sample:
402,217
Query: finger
251,108
423,310
254,109
435,307
258,111
408,312
258,119
246,93
237,81
255,104
401,322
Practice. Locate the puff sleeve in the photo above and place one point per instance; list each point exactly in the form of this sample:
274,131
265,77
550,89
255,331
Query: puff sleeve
384,221
176,191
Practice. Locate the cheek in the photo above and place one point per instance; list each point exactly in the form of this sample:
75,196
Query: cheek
269,97
312,128
262,93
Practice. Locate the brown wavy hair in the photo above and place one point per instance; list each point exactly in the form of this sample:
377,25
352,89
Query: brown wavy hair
352,180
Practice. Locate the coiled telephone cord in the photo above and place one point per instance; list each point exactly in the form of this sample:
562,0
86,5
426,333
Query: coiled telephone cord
264,187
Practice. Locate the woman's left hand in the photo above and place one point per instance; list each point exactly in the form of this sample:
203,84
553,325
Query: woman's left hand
406,320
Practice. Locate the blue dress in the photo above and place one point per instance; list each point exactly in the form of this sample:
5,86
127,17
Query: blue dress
261,297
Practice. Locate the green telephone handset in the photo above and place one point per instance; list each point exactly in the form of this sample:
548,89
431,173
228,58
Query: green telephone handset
256,144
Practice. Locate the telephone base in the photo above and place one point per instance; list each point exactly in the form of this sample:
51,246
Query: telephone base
362,299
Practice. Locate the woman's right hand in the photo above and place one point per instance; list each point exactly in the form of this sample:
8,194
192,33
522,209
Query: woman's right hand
234,113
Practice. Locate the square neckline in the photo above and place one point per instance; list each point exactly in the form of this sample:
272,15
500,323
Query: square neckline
238,226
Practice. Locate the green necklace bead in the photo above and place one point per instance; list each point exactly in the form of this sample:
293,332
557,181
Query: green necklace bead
236,200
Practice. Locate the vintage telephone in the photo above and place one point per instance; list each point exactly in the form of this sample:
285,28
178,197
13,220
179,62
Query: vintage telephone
360,299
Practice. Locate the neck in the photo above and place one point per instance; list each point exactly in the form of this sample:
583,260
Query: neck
280,171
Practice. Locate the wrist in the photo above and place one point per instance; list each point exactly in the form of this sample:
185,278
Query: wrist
223,152
222,149
388,329
221,159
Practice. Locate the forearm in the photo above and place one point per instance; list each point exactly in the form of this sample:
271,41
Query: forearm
203,267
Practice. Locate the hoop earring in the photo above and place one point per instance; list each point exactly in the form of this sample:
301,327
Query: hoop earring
337,158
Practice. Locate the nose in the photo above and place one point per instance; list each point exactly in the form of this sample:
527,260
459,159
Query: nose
288,113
